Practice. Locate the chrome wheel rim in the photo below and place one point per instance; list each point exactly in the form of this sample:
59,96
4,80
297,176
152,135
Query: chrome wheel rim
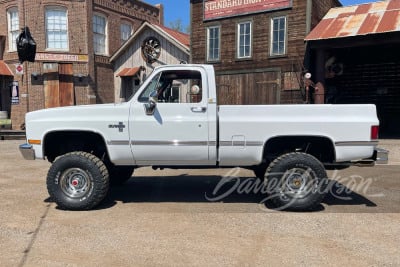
297,183
75,182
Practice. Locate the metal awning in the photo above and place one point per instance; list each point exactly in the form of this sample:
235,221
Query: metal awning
126,72
364,19
4,69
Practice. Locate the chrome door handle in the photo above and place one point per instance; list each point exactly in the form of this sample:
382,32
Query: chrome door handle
198,109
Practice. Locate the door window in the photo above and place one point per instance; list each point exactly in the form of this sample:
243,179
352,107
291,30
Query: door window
182,86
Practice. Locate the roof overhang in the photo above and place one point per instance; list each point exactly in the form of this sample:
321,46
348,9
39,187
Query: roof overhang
128,72
4,69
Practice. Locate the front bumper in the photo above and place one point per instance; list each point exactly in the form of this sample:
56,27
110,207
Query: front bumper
27,151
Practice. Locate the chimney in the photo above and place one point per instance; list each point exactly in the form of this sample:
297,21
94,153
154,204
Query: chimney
161,14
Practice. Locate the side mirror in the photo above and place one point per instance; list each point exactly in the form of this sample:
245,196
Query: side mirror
150,107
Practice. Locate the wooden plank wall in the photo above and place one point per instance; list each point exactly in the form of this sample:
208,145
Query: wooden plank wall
292,62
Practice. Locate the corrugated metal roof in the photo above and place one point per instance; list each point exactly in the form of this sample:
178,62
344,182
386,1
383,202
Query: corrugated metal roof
4,69
371,18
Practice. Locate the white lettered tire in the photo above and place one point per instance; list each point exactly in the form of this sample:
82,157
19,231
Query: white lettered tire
77,181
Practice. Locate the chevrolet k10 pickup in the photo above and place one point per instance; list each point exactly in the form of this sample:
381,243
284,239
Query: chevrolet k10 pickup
174,121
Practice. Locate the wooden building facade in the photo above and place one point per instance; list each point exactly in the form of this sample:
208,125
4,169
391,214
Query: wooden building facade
150,46
354,53
256,46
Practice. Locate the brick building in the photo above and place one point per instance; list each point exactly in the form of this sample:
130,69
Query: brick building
75,40
256,46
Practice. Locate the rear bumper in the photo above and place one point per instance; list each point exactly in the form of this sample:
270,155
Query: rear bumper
27,151
381,156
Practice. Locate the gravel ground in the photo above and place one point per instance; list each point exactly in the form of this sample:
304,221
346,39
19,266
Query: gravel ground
161,218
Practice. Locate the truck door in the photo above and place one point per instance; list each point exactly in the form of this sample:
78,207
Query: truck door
174,130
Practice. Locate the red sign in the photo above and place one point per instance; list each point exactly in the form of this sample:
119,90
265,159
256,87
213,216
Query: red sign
19,69
214,9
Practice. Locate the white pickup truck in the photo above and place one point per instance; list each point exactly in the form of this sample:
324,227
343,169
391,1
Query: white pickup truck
173,121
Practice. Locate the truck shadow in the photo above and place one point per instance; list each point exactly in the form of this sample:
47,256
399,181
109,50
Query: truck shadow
209,189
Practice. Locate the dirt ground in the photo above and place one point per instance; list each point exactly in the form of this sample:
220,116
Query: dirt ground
163,218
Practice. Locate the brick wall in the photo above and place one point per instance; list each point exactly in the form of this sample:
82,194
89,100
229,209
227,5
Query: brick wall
96,86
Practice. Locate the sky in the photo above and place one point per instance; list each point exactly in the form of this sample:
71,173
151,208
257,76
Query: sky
180,9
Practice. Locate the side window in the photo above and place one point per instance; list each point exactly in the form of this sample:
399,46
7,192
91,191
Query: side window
152,86
180,86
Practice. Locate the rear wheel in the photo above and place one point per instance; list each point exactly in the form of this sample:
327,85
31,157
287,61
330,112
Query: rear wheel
77,181
296,181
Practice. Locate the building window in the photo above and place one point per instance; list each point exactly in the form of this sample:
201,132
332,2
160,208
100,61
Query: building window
213,43
278,36
126,32
100,34
244,39
13,28
56,28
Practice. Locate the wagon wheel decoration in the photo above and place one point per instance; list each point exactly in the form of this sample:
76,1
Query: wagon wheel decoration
151,49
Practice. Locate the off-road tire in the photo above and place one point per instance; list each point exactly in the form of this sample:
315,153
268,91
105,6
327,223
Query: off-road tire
77,181
296,181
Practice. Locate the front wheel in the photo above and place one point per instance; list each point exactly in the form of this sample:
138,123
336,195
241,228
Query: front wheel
77,181
296,181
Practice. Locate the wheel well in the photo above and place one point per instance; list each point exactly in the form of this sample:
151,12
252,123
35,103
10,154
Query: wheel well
320,147
59,143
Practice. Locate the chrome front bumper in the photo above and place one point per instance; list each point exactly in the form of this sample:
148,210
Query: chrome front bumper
27,151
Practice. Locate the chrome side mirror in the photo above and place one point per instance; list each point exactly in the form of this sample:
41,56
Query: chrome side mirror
150,107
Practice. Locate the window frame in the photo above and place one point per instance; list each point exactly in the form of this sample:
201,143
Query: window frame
208,43
238,36
125,23
56,8
105,53
12,44
273,41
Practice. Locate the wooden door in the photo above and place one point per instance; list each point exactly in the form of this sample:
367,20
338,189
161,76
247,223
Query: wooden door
66,85
58,85
261,88
51,85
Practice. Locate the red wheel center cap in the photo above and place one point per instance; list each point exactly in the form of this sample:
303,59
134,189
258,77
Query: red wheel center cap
75,182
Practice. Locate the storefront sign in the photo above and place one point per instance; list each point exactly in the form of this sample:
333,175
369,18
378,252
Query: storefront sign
14,87
214,9
61,57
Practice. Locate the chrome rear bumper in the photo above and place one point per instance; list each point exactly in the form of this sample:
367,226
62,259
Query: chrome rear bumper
381,156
